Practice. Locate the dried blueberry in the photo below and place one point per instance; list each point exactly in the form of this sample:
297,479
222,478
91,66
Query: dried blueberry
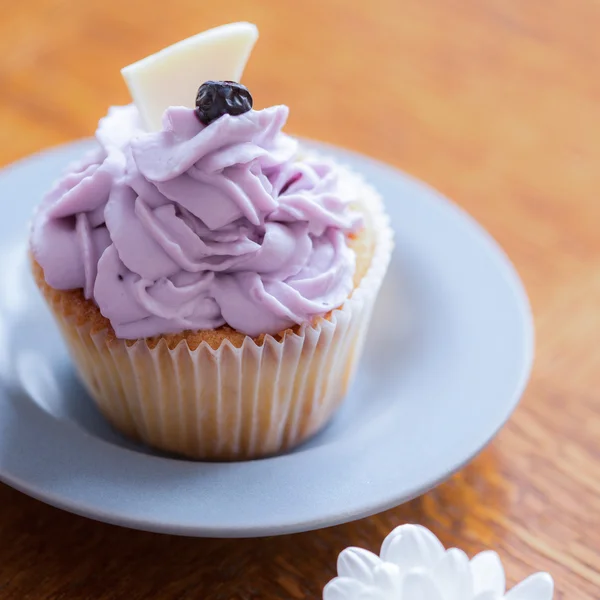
218,98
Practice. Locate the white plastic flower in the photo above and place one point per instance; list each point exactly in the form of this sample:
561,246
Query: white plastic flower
413,565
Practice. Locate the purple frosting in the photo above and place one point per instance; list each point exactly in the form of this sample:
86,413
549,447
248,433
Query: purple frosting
199,226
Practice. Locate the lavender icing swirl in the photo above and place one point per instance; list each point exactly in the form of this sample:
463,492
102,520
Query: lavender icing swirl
198,226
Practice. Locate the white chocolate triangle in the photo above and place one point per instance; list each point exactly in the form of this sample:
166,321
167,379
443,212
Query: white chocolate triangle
172,76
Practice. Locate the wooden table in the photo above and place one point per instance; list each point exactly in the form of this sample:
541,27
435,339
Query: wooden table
494,102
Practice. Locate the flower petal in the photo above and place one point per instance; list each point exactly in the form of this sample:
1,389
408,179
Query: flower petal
536,587
344,588
419,585
388,580
487,595
411,546
357,563
452,574
488,573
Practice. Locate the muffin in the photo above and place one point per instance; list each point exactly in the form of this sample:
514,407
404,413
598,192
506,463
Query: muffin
213,280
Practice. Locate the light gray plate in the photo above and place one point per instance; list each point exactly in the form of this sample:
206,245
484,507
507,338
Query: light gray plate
424,403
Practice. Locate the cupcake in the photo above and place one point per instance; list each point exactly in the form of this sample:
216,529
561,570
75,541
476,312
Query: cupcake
212,279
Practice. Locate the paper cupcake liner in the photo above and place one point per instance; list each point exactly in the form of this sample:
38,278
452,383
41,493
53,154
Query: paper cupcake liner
231,402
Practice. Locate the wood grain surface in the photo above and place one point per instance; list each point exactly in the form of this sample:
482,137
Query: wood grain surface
494,102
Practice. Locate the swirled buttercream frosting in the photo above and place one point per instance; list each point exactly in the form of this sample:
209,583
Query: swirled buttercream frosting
194,227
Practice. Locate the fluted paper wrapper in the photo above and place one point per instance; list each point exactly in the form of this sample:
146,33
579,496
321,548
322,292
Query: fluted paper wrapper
231,402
